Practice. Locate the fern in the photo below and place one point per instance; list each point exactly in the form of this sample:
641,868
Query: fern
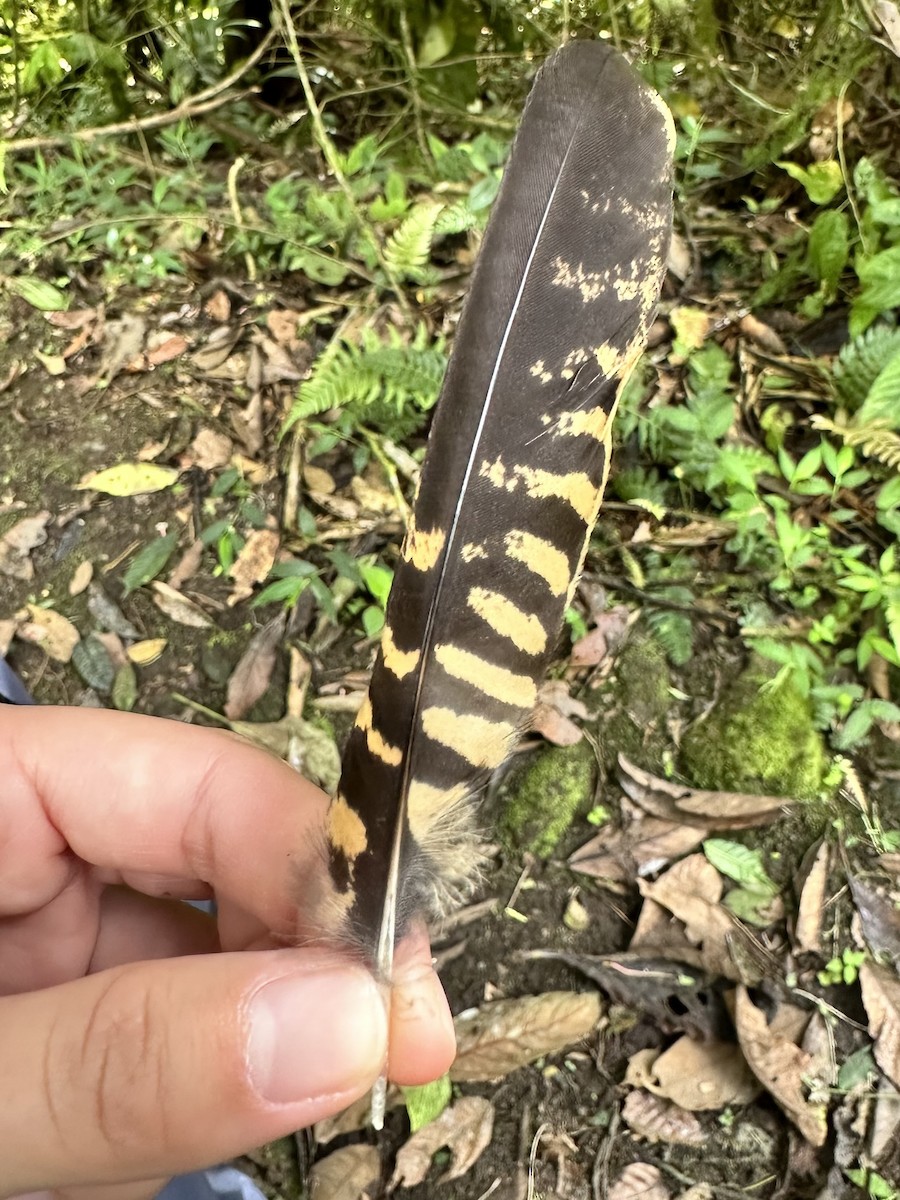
874,438
861,361
673,630
408,249
455,218
383,384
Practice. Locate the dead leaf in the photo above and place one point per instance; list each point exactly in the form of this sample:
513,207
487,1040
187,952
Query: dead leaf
76,318
310,750
639,1181
879,918
151,450
81,577
210,449
282,324
761,333
164,347
551,716
114,647
356,1116
692,890
345,1174
465,1128
373,496
253,564
885,1128
777,1061
143,654
216,351
888,14
123,340
218,306
881,997
177,606
808,924
607,637
691,326
253,674
18,542
187,566
278,365
712,810
700,1191
644,848
702,1076
659,1120
504,1035
317,479
247,423
54,633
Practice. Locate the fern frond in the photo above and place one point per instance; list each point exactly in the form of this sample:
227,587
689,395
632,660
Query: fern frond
455,218
674,632
875,438
408,249
861,361
385,384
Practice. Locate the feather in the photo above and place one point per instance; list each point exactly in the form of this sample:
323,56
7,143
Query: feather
562,296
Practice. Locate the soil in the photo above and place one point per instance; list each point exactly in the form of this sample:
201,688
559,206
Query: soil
53,431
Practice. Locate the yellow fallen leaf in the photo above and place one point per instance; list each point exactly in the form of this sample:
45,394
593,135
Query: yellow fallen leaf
129,479
81,577
142,654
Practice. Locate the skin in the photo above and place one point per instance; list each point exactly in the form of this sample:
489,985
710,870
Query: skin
140,1038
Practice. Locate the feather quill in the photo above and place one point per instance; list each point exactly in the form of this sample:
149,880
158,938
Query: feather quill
561,300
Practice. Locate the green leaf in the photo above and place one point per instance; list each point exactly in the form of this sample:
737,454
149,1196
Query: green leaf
378,581
362,156
148,563
91,660
829,248
39,293
883,400
436,44
124,688
425,1104
372,620
740,863
286,590
822,180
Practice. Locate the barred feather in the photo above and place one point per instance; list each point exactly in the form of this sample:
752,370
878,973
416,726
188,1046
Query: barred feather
564,291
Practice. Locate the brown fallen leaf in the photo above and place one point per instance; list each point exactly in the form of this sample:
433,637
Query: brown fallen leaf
356,1116
81,577
604,640
702,1076
165,347
177,606
346,1174
778,1062
282,323
317,479
659,1120
881,997
879,917
218,306
253,673
187,566
639,1181
54,633
761,333
465,1128
18,542
253,564
210,449
504,1035
551,716
811,906
278,365
74,318
644,848
692,890
885,1127
712,810
123,341
216,351
247,424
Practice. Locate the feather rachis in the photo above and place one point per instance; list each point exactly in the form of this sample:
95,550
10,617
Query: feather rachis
558,310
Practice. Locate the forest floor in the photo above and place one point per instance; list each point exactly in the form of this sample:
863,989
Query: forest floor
718,1057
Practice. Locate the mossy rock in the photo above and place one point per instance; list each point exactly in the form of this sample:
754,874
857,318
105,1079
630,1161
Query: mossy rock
547,796
757,741
639,699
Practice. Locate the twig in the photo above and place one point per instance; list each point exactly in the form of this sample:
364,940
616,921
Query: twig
233,172
194,106
327,146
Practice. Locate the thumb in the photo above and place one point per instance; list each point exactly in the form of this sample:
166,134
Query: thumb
156,1068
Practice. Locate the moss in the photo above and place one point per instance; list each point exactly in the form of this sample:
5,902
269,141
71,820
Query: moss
761,741
548,795
634,706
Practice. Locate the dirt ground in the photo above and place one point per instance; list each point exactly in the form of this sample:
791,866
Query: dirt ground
569,1112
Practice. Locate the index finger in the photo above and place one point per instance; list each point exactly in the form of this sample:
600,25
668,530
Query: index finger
130,793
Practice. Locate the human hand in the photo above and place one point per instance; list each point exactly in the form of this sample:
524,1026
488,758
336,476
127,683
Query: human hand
135,1043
